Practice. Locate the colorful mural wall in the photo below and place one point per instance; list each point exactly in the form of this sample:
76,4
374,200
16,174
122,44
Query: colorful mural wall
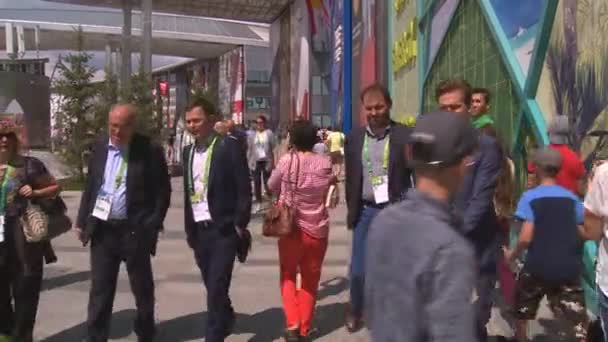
574,80
404,60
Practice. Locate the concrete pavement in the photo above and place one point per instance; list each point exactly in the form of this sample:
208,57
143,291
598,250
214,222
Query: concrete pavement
181,296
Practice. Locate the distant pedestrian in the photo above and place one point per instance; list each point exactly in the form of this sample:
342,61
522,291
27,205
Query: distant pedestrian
476,199
23,179
376,174
572,172
305,177
217,209
335,141
419,265
261,156
550,235
123,206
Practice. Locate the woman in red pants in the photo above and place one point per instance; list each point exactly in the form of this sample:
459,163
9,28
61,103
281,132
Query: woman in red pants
303,179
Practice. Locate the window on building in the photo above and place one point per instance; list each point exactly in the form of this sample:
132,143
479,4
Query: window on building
258,102
320,85
320,119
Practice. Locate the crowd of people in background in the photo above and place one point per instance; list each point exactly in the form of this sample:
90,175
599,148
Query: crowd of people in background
431,209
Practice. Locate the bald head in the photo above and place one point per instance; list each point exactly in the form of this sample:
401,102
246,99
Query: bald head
121,123
221,127
229,125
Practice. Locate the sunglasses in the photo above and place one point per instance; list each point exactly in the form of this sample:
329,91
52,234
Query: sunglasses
7,135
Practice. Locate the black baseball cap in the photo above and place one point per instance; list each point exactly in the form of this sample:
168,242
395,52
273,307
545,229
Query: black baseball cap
442,139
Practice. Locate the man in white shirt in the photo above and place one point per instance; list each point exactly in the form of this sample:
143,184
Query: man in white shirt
261,156
596,228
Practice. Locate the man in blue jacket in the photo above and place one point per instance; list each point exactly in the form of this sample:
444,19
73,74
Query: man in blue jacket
475,200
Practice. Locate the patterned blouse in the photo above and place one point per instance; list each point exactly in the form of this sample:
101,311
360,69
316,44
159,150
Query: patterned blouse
24,170
315,177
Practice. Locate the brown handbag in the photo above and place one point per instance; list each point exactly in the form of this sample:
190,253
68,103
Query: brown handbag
279,220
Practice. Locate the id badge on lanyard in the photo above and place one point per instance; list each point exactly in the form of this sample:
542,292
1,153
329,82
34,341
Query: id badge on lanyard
103,206
198,201
380,186
379,183
103,203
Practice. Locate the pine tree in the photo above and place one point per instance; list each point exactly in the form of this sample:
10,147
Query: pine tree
139,93
75,116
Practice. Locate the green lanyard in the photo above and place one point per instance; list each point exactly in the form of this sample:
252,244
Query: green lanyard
205,171
121,170
4,189
370,167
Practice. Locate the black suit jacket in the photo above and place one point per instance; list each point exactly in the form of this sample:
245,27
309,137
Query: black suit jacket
148,187
229,189
399,174
475,198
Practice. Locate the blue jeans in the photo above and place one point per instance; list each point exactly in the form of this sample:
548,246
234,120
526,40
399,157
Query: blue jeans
602,301
357,263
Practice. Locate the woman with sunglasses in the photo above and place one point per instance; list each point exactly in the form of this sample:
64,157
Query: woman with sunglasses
21,179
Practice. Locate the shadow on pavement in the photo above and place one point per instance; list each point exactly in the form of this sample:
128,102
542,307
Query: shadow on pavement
267,325
65,280
332,287
122,327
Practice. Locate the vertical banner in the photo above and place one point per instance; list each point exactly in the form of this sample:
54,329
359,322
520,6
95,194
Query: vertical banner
236,83
364,61
347,108
382,41
355,70
336,92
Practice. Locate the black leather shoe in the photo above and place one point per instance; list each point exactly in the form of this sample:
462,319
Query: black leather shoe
292,335
352,323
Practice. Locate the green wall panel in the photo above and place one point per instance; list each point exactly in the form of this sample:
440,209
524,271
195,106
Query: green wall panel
468,51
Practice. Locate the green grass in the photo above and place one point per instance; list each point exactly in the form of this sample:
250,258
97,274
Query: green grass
71,184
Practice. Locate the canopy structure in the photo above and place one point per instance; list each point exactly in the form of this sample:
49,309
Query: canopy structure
263,11
260,11
172,35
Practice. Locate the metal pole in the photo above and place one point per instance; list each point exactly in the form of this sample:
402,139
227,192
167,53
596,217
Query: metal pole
108,66
125,71
146,46
347,119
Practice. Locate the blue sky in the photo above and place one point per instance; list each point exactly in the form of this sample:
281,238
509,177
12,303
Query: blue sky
514,14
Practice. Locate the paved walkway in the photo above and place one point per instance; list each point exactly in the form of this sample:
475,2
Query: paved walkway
180,293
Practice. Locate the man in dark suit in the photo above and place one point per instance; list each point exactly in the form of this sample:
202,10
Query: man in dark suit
475,200
122,209
217,210
376,175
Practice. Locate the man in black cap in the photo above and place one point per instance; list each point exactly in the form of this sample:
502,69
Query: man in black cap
419,278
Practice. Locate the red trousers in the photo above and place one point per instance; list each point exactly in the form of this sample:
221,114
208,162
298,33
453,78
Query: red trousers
300,251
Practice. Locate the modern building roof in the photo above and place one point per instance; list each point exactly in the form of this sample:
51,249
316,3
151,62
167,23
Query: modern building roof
172,35
265,11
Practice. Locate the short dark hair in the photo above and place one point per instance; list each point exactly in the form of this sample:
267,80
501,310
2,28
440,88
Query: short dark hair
485,92
450,85
378,88
263,118
206,105
303,135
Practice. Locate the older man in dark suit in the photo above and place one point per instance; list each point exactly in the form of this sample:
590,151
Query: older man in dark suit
217,211
122,209
376,175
